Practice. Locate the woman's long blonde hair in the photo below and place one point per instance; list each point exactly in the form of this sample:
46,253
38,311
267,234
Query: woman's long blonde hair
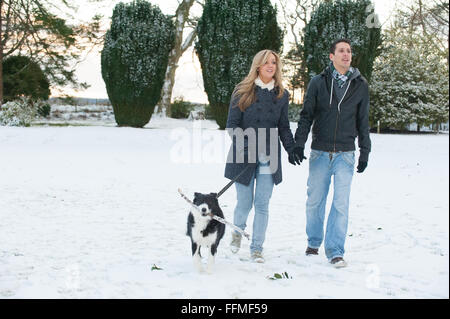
245,90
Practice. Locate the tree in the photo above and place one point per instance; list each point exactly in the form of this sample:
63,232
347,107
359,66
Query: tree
134,60
430,19
230,33
180,46
296,15
340,19
1,53
410,82
24,77
29,28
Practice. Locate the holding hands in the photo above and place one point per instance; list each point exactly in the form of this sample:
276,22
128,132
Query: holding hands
296,156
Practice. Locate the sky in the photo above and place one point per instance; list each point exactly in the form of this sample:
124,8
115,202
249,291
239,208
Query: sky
188,77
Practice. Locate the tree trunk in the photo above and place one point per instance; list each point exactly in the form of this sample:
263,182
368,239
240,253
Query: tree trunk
181,16
169,82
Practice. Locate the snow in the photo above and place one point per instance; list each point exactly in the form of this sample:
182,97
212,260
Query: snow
87,211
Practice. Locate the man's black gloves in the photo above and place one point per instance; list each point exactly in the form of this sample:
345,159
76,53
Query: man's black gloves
296,156
361,166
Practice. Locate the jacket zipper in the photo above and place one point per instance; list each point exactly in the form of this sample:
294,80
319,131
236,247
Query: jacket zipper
331,94
339,111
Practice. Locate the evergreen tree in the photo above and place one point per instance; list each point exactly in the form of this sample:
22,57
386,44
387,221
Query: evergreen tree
337,19
410,82
38,29
230,33
134,60
23,77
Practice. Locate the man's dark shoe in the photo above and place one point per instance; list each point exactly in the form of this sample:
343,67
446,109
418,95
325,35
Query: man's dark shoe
338,262
311,251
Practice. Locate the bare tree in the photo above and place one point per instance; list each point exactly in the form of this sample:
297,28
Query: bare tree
431,19
296,14
182,20
297,17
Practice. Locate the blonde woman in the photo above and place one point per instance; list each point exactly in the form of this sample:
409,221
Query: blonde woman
259,109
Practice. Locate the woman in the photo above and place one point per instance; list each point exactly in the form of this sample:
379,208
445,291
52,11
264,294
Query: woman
260,104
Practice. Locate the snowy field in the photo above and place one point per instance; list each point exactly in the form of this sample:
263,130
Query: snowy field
86,212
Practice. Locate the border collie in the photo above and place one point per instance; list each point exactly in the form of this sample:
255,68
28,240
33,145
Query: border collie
203,229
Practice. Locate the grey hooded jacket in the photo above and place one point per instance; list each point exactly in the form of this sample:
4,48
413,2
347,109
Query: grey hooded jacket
336,119
267,112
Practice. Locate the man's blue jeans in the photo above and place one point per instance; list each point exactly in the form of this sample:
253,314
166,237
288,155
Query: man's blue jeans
322,166
246,195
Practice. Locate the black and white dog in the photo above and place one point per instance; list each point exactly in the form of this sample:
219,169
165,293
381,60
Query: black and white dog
203,229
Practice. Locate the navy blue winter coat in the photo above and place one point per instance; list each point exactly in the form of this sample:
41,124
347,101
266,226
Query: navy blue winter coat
336,122
266,112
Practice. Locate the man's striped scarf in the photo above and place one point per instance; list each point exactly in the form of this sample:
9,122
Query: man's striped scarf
340,78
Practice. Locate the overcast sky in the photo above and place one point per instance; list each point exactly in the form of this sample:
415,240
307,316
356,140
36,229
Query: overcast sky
188,78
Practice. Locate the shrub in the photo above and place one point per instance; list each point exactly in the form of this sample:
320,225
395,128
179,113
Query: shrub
19,112
208,112
181,109
44,109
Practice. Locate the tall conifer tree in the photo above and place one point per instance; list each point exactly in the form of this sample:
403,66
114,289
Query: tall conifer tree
230,33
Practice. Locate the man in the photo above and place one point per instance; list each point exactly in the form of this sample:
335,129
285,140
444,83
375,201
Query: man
337,106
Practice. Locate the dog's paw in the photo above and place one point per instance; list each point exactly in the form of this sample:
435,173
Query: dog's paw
210,270
199,268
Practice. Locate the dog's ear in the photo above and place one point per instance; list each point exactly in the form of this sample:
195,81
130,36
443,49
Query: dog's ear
196,194
213,195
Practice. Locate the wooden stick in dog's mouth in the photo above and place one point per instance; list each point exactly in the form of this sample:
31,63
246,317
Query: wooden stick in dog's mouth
219,219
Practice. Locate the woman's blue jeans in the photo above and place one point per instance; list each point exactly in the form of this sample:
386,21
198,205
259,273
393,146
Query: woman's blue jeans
322,166
260,197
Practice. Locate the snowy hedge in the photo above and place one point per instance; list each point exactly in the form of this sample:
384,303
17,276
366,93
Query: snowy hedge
19,112
341,19
134,60
230,33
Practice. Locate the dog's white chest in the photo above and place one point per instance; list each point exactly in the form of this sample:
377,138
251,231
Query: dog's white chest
197,235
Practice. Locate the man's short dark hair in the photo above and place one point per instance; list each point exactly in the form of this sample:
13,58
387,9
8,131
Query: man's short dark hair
333,46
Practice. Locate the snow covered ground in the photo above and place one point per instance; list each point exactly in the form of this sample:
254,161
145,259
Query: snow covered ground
86,212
